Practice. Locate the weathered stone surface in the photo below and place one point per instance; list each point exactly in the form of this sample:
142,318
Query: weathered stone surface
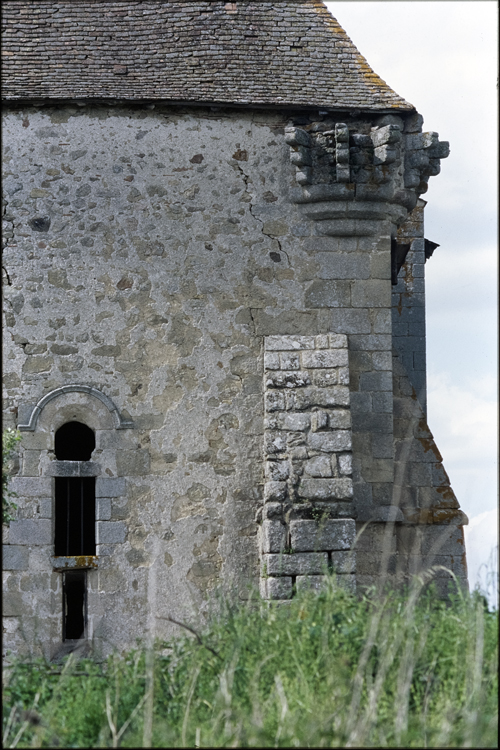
110,532
310,583
295,564
347,582
273,536
331,534
229,315
110,487
325,358
319,466
73,469
335,396
292,439
325,489
336,440
329,293
31,532
13,604
287,343
31,486
343,562
15,557
293,379
103,509
276,588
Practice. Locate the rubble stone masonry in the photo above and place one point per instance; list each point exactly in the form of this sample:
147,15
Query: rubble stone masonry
209,290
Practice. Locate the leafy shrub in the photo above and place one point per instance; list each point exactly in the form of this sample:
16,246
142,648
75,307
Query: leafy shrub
10,439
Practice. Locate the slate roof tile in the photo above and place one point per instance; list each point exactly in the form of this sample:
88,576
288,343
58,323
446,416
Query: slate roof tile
291,52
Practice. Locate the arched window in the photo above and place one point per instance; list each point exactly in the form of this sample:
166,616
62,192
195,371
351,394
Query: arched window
74,441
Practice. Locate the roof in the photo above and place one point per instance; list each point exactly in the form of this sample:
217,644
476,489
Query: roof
290,53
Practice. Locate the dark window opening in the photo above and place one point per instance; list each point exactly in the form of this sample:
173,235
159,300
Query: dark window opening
74,605
74,441
75,516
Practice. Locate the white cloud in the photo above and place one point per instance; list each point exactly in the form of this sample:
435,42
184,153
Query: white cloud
464,424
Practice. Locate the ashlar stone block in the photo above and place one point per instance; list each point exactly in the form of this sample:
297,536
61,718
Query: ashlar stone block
276,588
274,442
343,562
31,486
272,360
31,532
274,491
347,582
345,464
329,442
15,557
340,419
273,536
295,421
325,489
13,605
324,377
329,534
295,564
287,379
110,486
287,343
111,532
103,508
277,471
274,401
319,420
319,466
337,395
289,361
321,341
310,583
325,358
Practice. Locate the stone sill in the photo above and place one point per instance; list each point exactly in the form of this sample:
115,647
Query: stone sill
79,562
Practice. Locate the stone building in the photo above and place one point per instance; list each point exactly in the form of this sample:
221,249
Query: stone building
214,316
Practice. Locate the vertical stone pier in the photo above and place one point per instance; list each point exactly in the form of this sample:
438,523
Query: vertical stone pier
307,530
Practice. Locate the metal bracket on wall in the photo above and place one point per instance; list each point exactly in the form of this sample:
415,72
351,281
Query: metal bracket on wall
399,251
429,248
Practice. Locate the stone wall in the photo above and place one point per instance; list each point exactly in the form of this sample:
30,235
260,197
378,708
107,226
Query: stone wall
152,256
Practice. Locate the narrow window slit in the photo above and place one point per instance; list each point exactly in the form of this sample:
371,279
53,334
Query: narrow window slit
74,605
75,517
330,563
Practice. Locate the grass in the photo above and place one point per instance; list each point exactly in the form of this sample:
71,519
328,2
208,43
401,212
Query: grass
325,670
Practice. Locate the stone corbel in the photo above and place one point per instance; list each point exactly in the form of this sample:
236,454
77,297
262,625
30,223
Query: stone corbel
300,153
343,171
422,159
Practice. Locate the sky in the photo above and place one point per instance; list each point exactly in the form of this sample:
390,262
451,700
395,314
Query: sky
442,57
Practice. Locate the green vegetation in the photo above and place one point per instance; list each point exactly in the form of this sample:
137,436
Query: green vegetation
10,439
325,670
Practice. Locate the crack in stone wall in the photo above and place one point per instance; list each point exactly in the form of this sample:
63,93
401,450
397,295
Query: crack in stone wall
241,155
